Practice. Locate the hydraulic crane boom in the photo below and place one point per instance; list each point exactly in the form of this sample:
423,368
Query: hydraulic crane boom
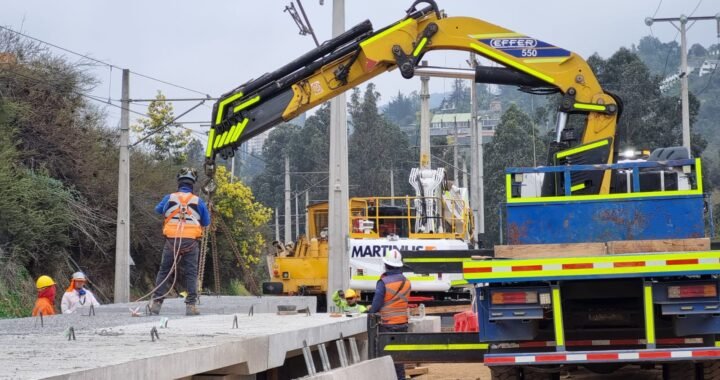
361,54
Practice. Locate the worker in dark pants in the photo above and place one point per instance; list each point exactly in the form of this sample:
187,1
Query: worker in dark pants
391,299
185,216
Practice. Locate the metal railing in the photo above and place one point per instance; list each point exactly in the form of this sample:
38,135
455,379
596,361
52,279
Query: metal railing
396,216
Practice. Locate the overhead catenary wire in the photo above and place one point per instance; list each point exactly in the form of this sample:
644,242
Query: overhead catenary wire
103,101
110,65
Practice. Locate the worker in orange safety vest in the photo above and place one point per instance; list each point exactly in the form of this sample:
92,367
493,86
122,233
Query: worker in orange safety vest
185,216
45,303
391,299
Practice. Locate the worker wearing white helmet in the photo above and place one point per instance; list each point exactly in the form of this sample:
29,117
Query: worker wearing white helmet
76,296
391,299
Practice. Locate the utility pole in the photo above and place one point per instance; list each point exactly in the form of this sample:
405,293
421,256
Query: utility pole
476,147
392,187
476,179
307,216
455,156
277,225
122,239
683,28
464,174
424,121
338,259
297,216
232,169
288,215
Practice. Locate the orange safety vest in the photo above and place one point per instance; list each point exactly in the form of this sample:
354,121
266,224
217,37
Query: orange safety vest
43,305
395,306
181,218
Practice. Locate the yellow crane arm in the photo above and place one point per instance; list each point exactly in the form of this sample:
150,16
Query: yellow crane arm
361,53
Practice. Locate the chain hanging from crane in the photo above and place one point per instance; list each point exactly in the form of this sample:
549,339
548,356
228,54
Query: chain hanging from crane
250,283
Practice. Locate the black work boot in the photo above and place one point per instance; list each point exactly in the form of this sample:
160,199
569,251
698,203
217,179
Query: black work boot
191,310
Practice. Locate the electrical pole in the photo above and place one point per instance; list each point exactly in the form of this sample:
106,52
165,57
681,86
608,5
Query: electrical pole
288,214
476,178
683,28
307,216
455,156
297,216
122,239
464,174
277,225
424,121
392,187
338,259
232,169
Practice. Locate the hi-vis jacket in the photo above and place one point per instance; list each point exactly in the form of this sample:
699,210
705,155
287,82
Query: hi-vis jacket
185,214
391,298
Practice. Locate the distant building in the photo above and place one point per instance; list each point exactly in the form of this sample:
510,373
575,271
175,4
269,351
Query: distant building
708,66
446,124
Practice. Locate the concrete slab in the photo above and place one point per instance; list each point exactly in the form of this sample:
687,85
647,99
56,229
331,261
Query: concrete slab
112,344
380,369
188,346
114,315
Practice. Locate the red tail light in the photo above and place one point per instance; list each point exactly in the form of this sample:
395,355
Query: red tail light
275,273
692,291
507,298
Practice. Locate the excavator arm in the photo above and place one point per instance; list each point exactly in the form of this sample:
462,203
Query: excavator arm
360,54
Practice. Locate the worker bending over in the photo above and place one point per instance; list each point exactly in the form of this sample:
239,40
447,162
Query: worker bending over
185,216
347,301
45,303
391,299
76,296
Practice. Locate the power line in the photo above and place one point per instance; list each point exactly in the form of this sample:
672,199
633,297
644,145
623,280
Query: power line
101,100
110,65
657,9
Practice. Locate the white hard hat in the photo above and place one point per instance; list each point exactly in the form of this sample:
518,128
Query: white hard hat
393,258
79,276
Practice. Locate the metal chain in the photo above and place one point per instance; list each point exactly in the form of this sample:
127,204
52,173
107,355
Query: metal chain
216,263
250,283
203,252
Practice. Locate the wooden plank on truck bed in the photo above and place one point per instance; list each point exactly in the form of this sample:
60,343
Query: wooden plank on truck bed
530,251
669,245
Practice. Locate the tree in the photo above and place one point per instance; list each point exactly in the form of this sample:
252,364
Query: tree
661,58
403,110
375,146
246,220
512,146
165,140
649,119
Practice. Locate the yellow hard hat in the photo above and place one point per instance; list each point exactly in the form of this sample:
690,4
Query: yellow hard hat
350,293
44,282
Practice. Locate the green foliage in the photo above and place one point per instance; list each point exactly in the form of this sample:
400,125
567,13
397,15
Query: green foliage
404,110
165,141
307,149
375,146
244,216
649,118
236,288
516,144
660,58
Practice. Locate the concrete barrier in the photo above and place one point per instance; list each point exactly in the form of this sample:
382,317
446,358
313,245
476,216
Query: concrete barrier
378,369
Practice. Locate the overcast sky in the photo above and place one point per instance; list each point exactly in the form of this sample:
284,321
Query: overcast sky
214,46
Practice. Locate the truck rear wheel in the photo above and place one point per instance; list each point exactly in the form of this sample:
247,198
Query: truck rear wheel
536,374
505,373
679,371
710,370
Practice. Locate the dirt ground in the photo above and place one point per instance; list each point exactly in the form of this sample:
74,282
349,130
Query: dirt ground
480,372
